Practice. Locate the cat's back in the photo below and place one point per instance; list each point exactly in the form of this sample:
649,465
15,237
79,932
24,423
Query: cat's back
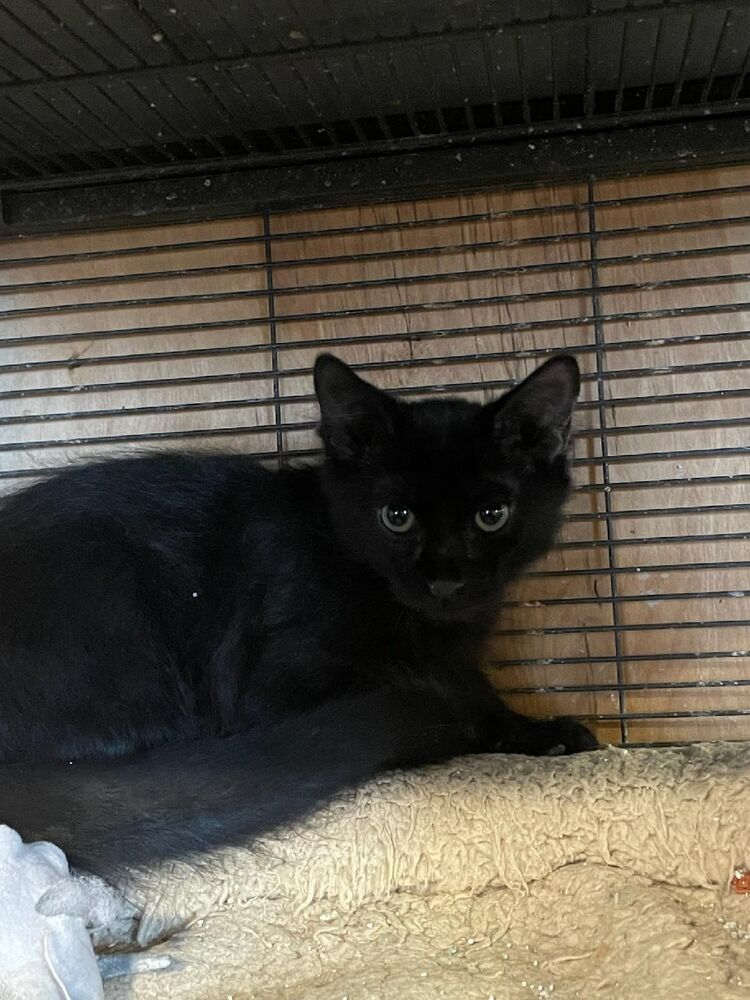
122,526
116,579
174,485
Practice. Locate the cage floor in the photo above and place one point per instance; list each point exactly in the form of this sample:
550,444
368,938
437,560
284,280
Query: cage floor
203,335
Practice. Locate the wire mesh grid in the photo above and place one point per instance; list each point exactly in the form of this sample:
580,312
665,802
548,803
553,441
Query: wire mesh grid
203,335
147,86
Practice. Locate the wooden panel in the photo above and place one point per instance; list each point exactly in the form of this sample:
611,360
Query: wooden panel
685,269
204,335
140,338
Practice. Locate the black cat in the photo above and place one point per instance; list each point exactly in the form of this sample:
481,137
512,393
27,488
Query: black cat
333,616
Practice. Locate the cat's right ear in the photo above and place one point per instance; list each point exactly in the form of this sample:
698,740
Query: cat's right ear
357,419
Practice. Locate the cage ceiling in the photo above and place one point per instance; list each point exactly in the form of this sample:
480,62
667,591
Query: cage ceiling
114,109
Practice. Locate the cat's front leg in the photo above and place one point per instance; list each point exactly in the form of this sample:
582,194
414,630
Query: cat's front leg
476,720
490,726
541,737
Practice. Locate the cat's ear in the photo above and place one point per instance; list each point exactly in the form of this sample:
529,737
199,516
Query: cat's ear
357,419
534,418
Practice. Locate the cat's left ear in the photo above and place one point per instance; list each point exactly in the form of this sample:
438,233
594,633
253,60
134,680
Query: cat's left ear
534,418
357,419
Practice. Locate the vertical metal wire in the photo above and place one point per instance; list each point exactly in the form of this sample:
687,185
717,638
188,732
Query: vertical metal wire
621,68
680,82
649,102
489,69
741,77
426,70
723,35
405,103
589,93
522,78
268,247
346,104
554,81
603,443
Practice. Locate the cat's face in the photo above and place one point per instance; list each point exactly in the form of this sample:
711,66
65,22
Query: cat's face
446,500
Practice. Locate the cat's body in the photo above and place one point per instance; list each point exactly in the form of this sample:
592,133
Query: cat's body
158,599
175,596
186,577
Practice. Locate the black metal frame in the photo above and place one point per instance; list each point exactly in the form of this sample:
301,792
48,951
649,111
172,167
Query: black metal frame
81,203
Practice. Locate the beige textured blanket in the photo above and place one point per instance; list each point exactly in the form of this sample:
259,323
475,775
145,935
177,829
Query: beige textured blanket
605,875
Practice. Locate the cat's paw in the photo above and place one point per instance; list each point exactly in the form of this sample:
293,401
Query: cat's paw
568,736
547,738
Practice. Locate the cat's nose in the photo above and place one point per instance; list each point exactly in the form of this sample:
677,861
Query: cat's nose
445,589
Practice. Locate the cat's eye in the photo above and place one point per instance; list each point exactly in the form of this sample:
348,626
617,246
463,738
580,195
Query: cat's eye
397,518
492,517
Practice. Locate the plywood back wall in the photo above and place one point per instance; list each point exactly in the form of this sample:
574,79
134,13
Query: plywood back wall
203,335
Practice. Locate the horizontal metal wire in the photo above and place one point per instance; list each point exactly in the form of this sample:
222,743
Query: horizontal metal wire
307,425
665,686
365,367
682,595
688,480
311,425
620,628
711,713
624,658
645,568
659,456
387,281
649,540
433,305
650,512
410,337
667,743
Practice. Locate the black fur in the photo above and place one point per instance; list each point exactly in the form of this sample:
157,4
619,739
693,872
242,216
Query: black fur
158,599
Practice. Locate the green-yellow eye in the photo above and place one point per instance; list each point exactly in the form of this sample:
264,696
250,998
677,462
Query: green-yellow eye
397,518
492,517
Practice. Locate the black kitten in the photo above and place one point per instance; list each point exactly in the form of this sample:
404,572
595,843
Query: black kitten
155,599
